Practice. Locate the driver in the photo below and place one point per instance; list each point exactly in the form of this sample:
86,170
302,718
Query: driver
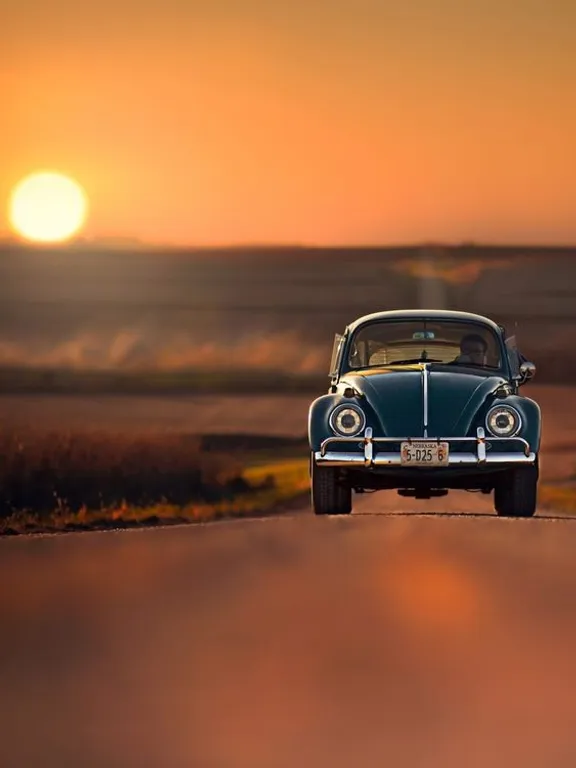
473,349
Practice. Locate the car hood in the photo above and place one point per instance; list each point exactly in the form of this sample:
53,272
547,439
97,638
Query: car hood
396,396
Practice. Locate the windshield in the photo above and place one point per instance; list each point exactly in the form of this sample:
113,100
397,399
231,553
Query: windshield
411,341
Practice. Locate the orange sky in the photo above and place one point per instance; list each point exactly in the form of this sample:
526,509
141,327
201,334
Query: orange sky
332,121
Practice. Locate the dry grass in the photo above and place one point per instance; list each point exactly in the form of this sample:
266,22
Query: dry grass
251,504
52,481
85,480
41,471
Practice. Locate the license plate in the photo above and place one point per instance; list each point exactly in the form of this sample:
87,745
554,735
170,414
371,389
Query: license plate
424,453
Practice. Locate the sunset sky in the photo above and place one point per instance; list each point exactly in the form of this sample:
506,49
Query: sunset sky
316,121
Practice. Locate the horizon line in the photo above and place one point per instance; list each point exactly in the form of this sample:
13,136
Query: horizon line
113,243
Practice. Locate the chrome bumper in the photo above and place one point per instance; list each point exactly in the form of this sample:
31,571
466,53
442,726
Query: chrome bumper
478,457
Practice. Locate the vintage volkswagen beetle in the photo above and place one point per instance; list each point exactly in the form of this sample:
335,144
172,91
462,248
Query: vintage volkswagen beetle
424,401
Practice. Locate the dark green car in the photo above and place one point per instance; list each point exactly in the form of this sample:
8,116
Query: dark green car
424,401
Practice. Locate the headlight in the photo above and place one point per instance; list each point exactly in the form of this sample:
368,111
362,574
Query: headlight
503,421
347,420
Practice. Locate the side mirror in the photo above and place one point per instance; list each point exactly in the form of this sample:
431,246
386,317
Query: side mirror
527,372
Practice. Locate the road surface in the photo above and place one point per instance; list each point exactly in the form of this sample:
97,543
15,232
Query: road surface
388,638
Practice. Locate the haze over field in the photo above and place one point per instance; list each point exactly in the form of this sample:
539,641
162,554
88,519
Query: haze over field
261,309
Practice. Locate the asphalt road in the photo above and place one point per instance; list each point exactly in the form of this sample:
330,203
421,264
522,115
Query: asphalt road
389,638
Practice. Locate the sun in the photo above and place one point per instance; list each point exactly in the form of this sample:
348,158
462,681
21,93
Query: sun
47,207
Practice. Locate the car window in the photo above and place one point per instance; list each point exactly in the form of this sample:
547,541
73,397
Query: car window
443,341
513,355
336,353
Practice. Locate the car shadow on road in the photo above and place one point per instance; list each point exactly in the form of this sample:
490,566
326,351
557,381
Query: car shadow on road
549,516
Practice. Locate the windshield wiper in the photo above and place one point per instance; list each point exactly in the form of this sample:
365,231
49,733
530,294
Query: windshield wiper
473,365
414,360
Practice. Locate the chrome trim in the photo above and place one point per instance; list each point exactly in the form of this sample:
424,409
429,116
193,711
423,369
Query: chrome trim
366,457
368,446
405,438
509,408
481,438
425,381
527,370
340,459
353,407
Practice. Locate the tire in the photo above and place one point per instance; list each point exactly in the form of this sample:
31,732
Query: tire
516,494
329,496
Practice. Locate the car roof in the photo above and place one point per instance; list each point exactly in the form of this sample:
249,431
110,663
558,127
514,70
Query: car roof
423,314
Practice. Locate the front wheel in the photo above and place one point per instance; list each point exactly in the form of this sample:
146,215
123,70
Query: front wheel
329,495
516,493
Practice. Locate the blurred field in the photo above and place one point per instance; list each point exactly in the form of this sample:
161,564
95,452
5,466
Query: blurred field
147,375
254,415
45,470
112,460
55,480
92,319
273,415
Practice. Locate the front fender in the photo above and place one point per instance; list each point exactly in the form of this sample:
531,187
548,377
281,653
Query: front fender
530,412
531,419
319,413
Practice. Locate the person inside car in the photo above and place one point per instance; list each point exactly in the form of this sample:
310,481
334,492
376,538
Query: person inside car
473,348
